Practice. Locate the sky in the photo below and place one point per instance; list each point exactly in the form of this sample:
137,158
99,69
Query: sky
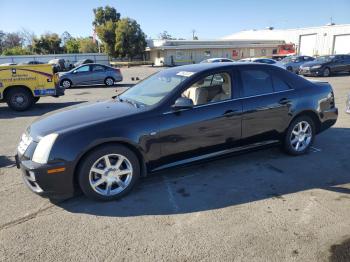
211,19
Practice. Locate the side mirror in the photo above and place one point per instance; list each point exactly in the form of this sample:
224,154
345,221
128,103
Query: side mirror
182,103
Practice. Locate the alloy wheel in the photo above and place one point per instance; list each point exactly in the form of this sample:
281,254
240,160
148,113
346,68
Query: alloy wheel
301,136
326,72
66,84
110,174
19,100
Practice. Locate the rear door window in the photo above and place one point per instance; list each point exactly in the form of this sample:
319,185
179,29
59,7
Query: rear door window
98,68
256,82
279,84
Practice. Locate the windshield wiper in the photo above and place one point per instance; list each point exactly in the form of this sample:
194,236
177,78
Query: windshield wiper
129,101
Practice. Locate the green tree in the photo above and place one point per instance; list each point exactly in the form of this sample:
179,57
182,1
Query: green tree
106,33
105,24
17,50
2,40
12,40
86,45
165,35
48,43
65,37
103,15
72,46
130,40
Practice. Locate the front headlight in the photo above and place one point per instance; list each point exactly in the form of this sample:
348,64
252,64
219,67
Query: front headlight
42,150
316,66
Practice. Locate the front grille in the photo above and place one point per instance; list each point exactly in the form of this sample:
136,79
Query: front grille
24,143
30,181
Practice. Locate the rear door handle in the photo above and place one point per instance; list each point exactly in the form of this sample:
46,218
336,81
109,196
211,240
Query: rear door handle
284,101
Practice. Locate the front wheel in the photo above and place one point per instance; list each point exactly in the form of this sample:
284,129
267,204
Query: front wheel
109,172
299,136
66,83
326,72
290,69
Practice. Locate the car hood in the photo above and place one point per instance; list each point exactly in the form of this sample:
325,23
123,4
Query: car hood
313,63
60,74
79,116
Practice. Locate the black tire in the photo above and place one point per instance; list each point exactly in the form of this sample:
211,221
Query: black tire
287,142
19,98
95,155
290,69
36,99
326,72
109,81
66,83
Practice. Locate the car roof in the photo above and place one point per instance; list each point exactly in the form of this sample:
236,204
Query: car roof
196,68
92,64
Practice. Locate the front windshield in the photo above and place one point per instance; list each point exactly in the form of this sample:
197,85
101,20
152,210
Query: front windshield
153,89
325,58
289,59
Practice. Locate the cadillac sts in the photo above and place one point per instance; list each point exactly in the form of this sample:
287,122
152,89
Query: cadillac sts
175,117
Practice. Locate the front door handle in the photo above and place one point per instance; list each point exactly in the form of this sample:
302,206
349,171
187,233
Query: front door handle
284,101
230,112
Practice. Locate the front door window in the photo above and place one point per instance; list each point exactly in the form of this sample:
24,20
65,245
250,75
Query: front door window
213,88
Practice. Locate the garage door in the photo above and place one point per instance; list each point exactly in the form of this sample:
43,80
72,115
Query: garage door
307,45
341,44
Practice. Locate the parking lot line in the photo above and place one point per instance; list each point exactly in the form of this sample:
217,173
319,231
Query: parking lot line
315,149
171,195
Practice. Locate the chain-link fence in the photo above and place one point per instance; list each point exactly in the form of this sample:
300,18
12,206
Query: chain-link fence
70,58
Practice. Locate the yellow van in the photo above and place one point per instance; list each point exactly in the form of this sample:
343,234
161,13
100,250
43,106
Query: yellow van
21,86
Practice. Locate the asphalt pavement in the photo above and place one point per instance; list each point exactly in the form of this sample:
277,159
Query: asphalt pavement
257,206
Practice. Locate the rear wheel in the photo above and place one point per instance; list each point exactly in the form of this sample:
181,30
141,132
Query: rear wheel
19,98
109,172
109,81
299,136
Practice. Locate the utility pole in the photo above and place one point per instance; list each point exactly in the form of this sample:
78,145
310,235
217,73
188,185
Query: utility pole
193,34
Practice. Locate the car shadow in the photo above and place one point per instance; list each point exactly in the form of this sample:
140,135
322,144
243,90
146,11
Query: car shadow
125,85
235,180
7,161
342,74
37,110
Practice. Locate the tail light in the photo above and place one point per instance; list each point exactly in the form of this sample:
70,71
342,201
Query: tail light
331,99
117,70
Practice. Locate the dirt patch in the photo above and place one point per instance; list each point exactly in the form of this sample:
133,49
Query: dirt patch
340,252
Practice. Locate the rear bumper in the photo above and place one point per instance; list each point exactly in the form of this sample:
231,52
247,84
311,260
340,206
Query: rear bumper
38,180
118,79
329,118
56,92
59,91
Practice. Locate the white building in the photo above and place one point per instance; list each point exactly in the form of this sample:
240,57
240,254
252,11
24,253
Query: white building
180,52
313,41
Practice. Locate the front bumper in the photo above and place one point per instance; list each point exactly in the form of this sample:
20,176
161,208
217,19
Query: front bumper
310,72
52,185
